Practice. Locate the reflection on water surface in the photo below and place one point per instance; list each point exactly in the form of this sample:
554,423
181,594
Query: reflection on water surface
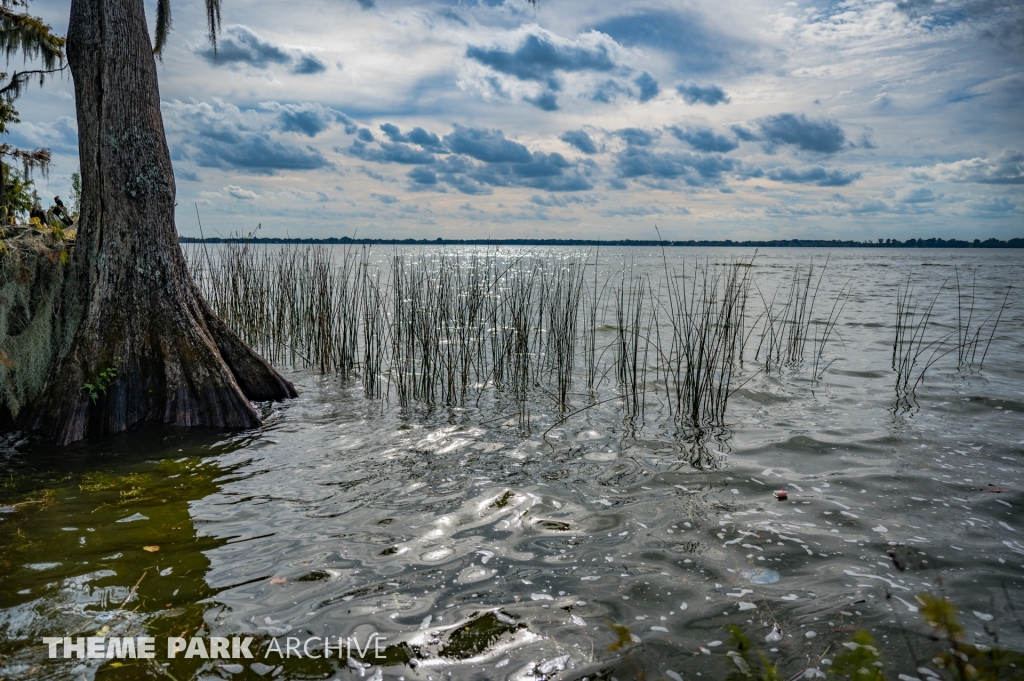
475,548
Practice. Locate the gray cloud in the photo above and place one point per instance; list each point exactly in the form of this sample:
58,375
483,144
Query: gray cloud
813,175
542,171
374,175
694,169
648,86
307,118
241,45
539,57
308,65
696,47
555,201
547,101
220,135
1008,33
415,136
637,137
467,185
544,58
820,135
486,145
422,175
707,94
391,152
579,139
472,160
254,152
745,134
704,139
918,195
607,91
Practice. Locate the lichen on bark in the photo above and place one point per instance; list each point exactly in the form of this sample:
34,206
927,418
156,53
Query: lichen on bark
34,320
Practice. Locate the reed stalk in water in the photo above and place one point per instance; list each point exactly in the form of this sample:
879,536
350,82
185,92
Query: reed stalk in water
442,329
914,354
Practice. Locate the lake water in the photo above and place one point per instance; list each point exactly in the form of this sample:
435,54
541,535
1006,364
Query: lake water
477,547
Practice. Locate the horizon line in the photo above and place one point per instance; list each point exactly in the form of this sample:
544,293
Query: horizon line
933,242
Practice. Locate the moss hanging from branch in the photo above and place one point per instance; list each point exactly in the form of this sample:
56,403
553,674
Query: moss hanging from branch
34,261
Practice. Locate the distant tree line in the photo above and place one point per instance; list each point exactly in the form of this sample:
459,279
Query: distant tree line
774,243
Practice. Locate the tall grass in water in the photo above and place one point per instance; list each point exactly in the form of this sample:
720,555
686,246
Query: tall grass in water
786,329
295,306
519,332
705,341
632,341
915,351
968,338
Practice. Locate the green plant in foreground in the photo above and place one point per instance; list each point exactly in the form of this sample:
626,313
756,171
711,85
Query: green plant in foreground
963,661
746,667
100,383
860,660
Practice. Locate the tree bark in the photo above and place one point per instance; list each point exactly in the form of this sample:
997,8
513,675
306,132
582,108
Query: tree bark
131,298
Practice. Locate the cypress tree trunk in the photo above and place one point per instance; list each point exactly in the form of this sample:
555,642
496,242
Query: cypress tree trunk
130,297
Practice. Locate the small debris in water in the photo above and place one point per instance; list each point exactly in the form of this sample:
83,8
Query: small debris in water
781,494
151,549
760,576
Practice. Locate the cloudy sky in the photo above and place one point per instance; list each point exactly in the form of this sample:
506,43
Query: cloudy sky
594,119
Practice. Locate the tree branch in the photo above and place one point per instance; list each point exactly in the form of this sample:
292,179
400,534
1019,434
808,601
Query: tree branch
18,81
